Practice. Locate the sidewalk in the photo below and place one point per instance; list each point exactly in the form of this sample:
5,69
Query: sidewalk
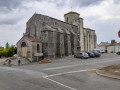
14,62
112,71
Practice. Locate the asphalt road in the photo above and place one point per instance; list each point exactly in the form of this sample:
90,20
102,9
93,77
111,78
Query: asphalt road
67,73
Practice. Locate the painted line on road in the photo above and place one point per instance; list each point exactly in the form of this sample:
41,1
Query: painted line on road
69,72
47,77
60,83
61,67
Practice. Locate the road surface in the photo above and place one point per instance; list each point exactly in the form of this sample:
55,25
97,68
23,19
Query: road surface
65,74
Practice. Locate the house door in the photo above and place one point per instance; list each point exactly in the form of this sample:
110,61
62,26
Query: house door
24,49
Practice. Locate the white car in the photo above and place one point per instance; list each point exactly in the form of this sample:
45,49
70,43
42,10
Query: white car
102,51
15,55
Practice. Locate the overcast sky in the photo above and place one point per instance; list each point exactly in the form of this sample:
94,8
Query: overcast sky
100,15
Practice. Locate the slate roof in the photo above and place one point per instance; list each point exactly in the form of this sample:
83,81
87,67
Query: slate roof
109,44
31,39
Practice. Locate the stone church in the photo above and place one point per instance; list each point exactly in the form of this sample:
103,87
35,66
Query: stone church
52,38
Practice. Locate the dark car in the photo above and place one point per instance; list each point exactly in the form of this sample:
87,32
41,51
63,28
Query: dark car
97,54
91,54
118,53
82,55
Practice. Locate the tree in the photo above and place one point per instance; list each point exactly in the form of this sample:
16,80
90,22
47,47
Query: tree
8,51
11,51
1,51
1,48
7,46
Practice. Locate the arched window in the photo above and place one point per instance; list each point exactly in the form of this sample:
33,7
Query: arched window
23,44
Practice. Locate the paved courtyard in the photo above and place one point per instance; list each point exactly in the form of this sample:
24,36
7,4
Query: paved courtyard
62,74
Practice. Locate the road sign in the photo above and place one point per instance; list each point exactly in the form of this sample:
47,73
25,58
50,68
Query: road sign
119,33
38,54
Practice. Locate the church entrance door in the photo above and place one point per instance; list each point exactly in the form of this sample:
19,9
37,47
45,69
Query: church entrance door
24,49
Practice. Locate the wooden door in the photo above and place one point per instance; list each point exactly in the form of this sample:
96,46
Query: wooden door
24,51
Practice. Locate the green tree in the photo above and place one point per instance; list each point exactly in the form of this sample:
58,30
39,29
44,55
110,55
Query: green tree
1,48
7,46
8,51
11,51
4,52
1,51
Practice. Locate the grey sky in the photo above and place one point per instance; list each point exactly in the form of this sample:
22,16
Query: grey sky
100,15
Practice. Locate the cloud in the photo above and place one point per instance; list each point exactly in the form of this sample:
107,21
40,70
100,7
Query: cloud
106,30
9,4
84,3
117,1
12,33
104,18
100,15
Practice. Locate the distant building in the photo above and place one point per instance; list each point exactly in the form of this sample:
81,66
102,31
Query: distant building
110,47
55,38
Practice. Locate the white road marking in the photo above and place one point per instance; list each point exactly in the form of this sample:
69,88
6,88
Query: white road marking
69,72
60,84
47,77
61,67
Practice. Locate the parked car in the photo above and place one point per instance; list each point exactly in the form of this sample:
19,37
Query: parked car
102,51
97,54
82,55
97,50
118,53
91,54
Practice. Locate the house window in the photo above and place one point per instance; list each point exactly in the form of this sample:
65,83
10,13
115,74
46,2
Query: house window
38,48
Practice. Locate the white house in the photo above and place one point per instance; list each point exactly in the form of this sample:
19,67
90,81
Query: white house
110,47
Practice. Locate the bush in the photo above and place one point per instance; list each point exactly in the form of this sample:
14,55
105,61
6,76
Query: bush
11,51
8,51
